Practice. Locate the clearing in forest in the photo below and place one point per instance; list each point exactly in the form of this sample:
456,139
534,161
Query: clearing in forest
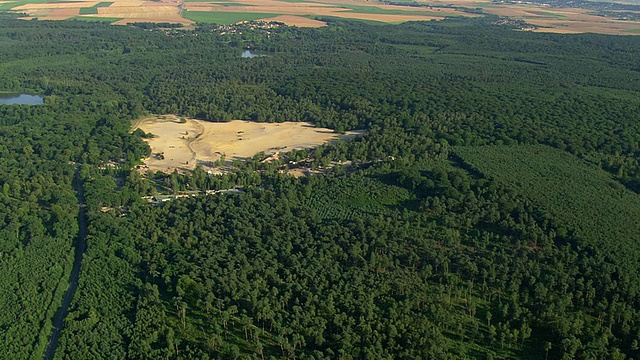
183,144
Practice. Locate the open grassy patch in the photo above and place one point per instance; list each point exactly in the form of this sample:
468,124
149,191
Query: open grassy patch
224,18
12,4
356,196
549,14
94,9
96,18
364,9
588,202
370,22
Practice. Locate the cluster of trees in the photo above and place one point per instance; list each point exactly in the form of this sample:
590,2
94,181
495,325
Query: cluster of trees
401,251
463,266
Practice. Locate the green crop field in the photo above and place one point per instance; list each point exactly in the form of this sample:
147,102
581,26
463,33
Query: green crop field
587,200
363,9
94,9
224,18
11,4
550,14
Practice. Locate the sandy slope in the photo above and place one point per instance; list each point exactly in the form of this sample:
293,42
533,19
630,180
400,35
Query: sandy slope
201,142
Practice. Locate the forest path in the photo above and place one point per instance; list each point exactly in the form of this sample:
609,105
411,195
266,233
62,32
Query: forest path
81,247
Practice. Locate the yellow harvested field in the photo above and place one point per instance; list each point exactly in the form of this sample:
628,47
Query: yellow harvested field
141,11
577,27
128,10
387,18
299,21
563,20
158,19
60,14
184,145
65,5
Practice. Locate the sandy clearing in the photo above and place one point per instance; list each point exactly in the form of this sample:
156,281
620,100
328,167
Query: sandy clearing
299,21
201,142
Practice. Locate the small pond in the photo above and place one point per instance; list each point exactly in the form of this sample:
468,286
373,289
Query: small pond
249,55
24,99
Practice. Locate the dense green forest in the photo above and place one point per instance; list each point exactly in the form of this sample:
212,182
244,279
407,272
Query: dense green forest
487,213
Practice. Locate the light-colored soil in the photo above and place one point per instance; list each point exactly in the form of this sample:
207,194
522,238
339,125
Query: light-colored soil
201,142
65,5
298,21
143,11
60,14
129,10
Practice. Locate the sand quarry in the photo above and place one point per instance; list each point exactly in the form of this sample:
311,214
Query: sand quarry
185,145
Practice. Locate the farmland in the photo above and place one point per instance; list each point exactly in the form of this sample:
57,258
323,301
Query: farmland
310,14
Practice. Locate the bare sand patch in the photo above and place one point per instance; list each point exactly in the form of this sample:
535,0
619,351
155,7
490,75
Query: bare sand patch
184,145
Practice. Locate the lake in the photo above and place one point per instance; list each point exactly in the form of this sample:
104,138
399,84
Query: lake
24,99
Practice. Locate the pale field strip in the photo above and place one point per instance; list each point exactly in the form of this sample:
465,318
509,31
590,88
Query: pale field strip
60,14
129,11
142,11
201,142
75,4
387,18
314,9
